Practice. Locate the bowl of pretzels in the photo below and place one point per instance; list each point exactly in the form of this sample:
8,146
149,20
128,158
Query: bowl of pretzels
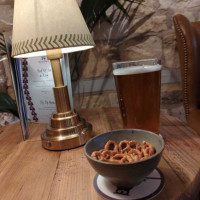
124,157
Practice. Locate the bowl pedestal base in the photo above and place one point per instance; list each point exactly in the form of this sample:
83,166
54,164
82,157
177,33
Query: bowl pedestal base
149,188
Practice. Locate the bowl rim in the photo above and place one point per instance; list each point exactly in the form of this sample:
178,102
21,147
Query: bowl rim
123,164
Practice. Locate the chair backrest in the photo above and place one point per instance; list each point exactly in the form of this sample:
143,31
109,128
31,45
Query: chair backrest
188,42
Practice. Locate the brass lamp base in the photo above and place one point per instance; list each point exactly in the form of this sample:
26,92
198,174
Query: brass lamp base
66,131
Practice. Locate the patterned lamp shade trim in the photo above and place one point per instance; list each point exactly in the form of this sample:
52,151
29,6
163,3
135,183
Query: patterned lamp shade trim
2,40
52,42
2,45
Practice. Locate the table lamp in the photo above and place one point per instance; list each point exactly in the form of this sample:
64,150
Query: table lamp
51,28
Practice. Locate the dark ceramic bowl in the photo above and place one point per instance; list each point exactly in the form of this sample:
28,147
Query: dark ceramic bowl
126,174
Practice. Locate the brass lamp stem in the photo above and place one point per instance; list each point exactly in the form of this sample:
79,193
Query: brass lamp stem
60,91
54,56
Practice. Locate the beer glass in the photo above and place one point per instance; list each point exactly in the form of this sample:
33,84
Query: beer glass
138,85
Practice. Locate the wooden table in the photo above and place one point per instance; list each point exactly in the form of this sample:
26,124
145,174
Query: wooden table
27,171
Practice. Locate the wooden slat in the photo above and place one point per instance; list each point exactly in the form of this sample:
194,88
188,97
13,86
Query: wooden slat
74,177
36,130
173,185
10,137
182,149
28,173
97,118
114,118
170,120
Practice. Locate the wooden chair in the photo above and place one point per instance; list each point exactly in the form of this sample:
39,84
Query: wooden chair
188,41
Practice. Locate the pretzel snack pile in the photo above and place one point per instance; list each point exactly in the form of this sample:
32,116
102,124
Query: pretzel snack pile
124,152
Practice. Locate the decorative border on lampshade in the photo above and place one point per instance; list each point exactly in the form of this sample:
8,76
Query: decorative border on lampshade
2,40
2,44
51,42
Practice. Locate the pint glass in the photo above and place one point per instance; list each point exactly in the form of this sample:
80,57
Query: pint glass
138,85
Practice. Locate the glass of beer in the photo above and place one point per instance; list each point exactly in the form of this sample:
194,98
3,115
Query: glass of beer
138,85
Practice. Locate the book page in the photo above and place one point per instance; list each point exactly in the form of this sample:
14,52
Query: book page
38,86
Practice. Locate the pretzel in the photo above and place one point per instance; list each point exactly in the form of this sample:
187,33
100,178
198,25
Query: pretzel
135,154
134,144
129,158
107,154
125,152
111,145
124,146
96,154
148,149
118,158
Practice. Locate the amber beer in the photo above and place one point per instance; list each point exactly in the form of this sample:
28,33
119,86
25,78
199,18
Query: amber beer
138,90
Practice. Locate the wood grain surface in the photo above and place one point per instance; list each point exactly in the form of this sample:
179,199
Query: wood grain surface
29,172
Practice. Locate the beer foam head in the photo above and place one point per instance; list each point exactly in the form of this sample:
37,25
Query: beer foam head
136,69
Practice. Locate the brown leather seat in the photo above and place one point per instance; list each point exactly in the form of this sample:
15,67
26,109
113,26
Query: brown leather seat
188,40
